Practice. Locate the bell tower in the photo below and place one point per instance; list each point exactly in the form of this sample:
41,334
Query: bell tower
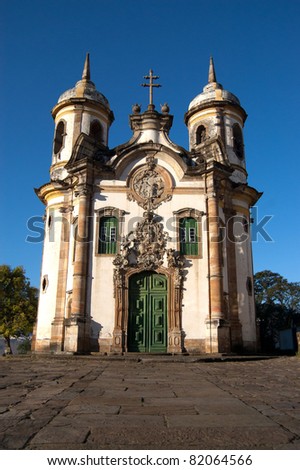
81,109
215,121
217,113
82,119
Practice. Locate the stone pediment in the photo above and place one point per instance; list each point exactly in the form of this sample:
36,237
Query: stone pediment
87,149
212,149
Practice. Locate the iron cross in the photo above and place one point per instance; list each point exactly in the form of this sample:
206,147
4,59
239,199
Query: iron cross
151,77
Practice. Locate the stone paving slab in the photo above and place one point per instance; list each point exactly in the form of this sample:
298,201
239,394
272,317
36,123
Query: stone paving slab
59,402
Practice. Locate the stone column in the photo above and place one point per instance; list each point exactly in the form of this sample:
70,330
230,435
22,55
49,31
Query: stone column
77,334
119,343
218,332
235,325
57,326
174,327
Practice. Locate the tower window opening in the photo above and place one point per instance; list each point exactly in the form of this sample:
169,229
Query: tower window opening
238,143
96,131
59,137
200,135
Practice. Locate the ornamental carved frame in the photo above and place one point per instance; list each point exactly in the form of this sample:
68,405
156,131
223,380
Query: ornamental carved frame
149,177
174,309
145,250
198,216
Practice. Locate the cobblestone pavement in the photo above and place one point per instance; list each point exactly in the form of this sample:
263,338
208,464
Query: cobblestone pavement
64,402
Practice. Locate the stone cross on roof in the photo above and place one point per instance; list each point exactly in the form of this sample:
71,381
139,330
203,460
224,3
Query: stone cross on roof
151,85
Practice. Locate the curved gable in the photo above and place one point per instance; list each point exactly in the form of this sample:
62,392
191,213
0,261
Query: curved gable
127,161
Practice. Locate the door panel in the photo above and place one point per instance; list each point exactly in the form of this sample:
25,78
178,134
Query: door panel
137,320
147,320
158,321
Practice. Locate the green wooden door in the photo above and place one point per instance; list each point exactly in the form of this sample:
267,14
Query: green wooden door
147,321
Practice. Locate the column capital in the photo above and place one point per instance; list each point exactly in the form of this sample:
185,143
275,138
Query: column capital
83,189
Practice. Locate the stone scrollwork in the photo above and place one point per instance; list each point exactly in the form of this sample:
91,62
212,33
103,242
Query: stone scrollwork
149,182
144,247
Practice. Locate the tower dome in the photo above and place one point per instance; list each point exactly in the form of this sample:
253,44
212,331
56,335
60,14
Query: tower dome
84,88
217,113
213,91
81,109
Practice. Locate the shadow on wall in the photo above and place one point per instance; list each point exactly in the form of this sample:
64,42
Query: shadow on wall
96,329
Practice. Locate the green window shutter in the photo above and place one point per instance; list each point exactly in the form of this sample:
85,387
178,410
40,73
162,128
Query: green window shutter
108,234
188,232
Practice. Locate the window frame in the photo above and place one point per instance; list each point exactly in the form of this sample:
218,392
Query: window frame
199,130
96,134
59,138
197,246
118,215
189,244
106,244
238,141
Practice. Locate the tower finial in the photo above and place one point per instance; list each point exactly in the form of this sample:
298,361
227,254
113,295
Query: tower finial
211,73
86,74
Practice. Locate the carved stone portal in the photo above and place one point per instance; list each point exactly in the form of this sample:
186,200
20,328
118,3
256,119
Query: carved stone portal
145,249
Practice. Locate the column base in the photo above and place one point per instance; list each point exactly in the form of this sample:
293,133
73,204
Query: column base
118,342
218,336
175,342
236,336
76,339
57,335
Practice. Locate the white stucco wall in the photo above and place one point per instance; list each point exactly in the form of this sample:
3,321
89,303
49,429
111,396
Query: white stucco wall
50,264
245,299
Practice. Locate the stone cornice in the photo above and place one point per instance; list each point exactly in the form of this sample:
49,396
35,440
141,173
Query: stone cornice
215,104
246,193
48,190
83,102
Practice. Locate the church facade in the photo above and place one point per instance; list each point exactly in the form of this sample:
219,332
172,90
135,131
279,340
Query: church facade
147,245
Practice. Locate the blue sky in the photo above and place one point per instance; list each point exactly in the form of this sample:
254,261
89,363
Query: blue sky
255,45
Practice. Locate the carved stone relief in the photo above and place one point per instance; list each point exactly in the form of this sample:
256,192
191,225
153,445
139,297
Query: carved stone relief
145,248
149,182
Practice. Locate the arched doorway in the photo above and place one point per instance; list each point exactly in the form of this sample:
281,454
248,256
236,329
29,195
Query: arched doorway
147,315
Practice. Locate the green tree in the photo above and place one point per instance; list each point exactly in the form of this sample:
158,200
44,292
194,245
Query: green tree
18,303
277,306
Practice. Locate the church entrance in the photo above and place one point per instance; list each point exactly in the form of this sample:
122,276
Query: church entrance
147,316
